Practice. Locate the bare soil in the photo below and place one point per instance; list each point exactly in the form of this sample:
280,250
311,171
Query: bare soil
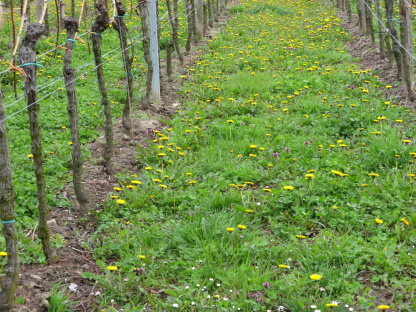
369,57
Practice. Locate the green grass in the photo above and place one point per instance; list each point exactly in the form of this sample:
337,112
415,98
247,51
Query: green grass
286,160
274,101
54,119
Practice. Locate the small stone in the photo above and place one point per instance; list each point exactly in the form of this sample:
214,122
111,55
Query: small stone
36,277
52,223
22,309
145,125
73,287
44,295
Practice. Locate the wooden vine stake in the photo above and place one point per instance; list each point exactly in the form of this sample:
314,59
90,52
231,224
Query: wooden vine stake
99,26
121,28
173,17
380,29
39,10
361,16
200,31
58,25
392,41
193,20
61,12
210,13
221,6
190,27
169,48
1,16
71,26
369,21
11,269
27,60
406,39
348,9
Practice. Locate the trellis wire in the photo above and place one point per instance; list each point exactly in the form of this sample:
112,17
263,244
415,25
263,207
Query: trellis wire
372,12
79,76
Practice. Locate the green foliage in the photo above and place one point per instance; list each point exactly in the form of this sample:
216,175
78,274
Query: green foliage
59,301
286,161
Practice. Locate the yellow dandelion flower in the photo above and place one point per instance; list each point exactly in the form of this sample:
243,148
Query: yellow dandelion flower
405,221
378,221
383,307
332,305
249,211
315,277
230,229
372,174
283,266
338,173
120,201
3,254
288,187
136,182
301,236
142,257
241,227
112,268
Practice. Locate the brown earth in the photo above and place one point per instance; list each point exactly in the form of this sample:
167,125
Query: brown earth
36,280
369,57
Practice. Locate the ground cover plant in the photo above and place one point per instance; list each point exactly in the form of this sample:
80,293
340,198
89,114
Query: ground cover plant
54,115
284,183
